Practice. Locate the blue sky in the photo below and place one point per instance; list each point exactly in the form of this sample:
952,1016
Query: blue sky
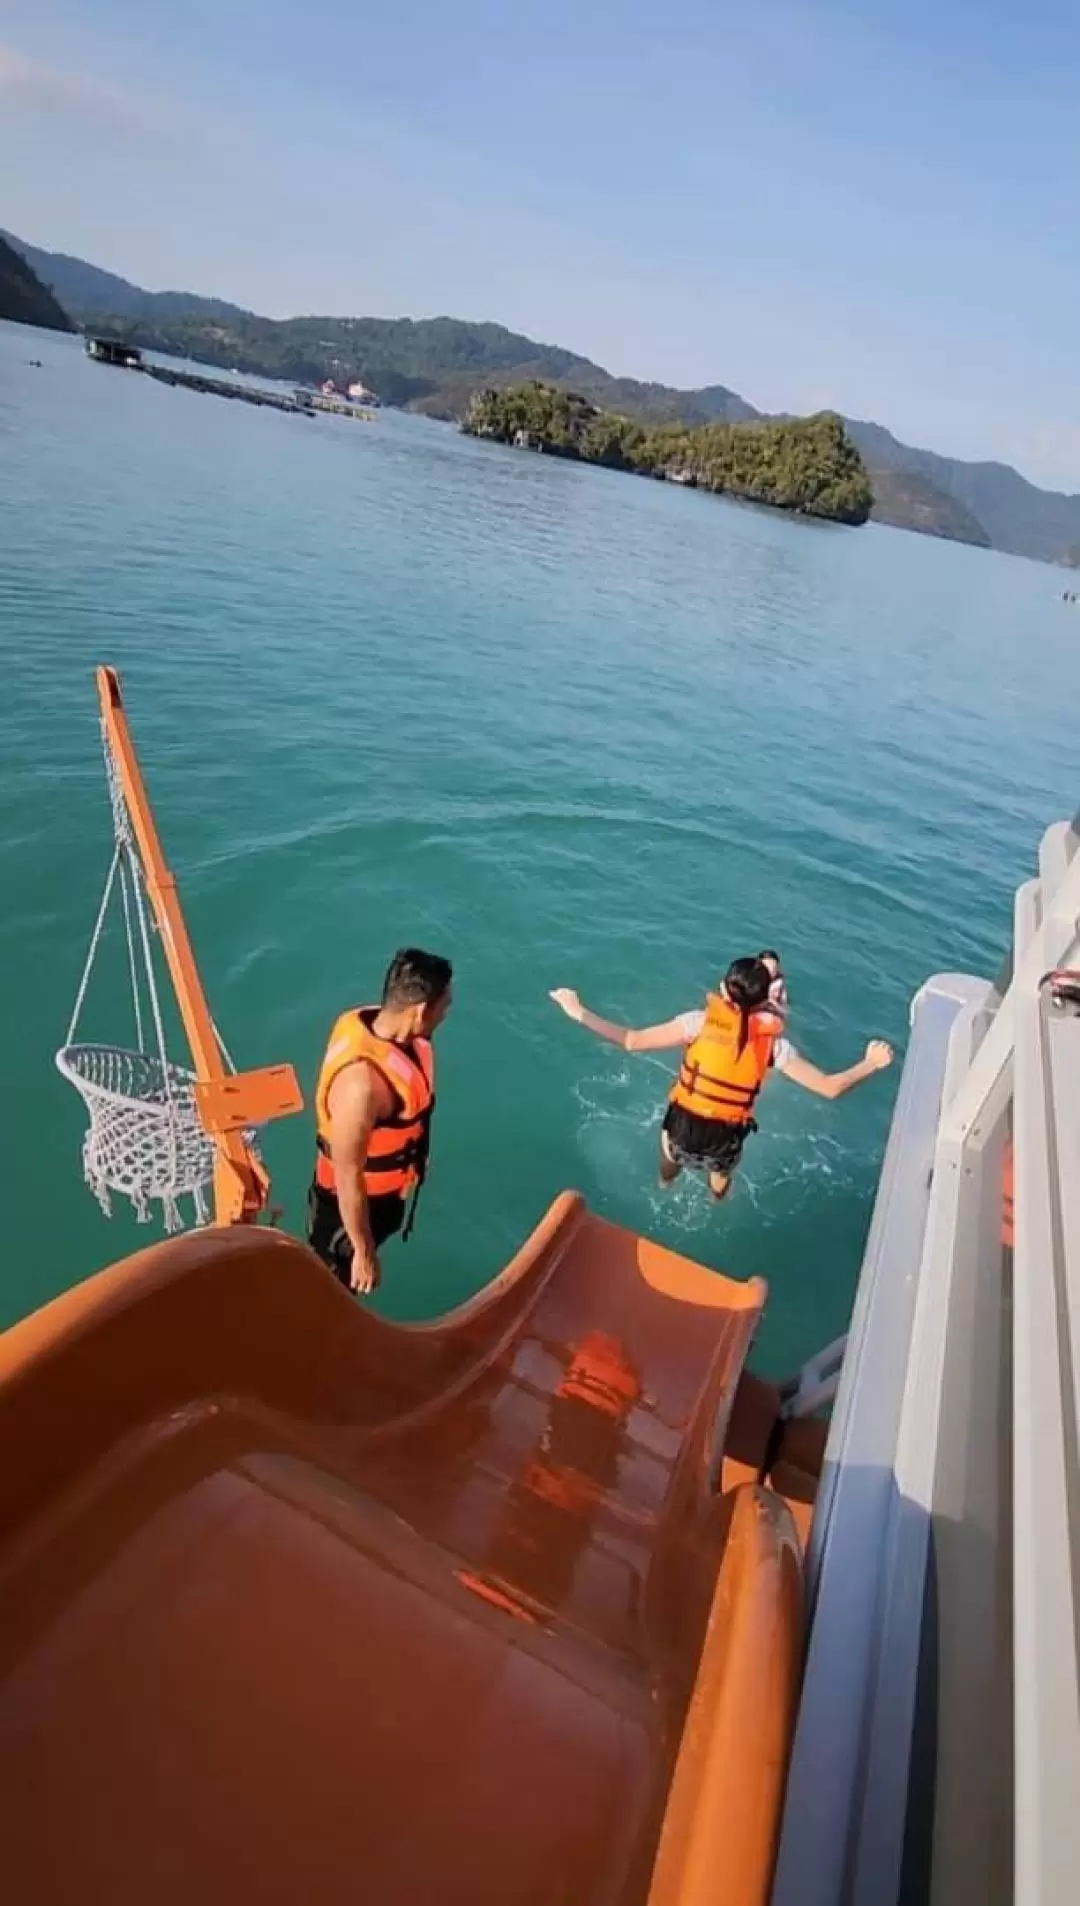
873,206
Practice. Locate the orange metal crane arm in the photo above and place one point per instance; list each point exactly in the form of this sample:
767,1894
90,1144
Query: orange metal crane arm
227,1103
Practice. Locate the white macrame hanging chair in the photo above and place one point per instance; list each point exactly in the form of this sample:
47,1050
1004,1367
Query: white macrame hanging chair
145,1139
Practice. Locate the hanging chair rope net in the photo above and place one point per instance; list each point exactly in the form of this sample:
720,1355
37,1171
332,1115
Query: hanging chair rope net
145,1139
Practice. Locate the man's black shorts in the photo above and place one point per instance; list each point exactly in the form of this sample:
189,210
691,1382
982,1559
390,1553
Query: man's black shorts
704,1144
327,1236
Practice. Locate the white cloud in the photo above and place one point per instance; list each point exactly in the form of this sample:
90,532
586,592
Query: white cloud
33,83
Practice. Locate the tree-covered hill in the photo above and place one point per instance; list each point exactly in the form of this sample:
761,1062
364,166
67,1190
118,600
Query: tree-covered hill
805,464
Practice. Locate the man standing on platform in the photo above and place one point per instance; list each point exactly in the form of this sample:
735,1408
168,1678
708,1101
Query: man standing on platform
373,1108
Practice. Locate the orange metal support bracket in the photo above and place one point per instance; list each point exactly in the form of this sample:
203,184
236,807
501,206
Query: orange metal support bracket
226,1102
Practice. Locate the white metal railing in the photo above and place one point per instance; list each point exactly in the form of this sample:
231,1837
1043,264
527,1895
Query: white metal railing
1046,1399
860,1598
815,1383
1029,1065
986,1088
940,1719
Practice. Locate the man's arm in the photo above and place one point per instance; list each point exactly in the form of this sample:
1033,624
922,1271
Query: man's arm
359,1097
644,1039
833,1085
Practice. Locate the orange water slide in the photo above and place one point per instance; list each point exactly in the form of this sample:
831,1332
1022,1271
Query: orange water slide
297,1604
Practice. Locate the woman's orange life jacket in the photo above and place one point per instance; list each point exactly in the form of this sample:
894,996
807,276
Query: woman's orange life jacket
398,1147
716,1080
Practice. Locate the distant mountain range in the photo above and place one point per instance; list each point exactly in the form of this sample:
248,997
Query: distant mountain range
912,501
81,287
1014,513
435,365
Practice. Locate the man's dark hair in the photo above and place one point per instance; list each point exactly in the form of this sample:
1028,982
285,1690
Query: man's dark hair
747,984
415,978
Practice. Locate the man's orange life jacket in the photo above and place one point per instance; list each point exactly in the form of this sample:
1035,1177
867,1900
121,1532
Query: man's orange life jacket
398,1148
716,1080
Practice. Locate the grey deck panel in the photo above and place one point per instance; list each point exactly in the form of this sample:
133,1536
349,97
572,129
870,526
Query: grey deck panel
854,1561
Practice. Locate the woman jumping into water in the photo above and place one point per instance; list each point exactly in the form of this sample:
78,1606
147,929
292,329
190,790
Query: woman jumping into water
731,1045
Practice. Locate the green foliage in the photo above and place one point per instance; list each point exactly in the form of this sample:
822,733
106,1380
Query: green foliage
23,298
808,464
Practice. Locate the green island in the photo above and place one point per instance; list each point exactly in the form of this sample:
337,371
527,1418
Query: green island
805,464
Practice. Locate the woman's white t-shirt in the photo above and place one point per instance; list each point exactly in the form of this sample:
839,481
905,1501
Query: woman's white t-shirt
783,1051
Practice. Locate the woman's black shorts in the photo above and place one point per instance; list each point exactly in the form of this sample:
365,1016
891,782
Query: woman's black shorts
704,1144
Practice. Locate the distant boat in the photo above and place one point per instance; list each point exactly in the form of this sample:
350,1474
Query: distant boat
355,393
111,351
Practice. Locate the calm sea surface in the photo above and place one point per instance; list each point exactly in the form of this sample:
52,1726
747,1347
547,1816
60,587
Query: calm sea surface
568,727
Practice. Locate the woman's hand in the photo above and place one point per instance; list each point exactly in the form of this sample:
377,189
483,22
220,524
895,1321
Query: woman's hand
566,997
878,1055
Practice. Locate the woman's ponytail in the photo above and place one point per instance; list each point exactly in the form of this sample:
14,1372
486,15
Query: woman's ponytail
747,984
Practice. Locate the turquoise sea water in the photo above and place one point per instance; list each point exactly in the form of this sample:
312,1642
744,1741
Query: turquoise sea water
568,727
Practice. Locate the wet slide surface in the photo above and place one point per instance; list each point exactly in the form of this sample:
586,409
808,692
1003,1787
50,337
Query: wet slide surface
297,1604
